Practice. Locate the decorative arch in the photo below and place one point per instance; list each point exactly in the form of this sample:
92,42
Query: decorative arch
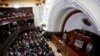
62,8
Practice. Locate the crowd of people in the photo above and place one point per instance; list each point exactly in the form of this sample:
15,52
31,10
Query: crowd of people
7,29
30,43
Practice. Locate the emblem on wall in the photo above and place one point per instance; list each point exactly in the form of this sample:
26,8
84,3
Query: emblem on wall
86,22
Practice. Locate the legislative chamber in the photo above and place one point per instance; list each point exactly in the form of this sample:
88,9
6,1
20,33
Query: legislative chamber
49,28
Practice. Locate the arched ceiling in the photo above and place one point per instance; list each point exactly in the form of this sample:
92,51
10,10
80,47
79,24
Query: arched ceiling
88,7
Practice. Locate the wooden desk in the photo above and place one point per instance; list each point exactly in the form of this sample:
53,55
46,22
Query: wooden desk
65,50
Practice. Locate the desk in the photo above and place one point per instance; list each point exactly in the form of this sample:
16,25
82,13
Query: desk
65,50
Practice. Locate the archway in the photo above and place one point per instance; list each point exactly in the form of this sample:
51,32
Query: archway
61,9
65,14
74,20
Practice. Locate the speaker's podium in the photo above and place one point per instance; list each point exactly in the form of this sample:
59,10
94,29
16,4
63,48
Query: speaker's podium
77,45
64,49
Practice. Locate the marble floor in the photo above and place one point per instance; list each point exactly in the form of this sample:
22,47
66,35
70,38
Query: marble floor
54,49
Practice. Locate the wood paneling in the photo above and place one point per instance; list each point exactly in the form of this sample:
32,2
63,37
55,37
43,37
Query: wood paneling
70,48
65,50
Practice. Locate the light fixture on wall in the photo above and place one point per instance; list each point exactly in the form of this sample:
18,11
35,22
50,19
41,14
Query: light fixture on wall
43,25
16,6
86,22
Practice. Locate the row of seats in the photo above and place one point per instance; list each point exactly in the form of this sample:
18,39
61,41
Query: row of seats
12,14
8,12
30,43
7,29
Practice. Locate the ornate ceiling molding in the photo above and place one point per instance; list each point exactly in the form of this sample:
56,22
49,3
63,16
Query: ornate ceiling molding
59,5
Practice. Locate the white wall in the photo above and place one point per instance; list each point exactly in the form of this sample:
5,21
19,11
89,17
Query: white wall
46,10
75,22
37,15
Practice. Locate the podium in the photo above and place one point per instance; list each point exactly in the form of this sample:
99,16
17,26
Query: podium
77,44
65,50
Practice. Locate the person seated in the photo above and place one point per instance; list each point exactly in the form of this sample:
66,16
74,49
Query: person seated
28,45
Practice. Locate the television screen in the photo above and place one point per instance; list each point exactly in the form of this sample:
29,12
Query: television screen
78,43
